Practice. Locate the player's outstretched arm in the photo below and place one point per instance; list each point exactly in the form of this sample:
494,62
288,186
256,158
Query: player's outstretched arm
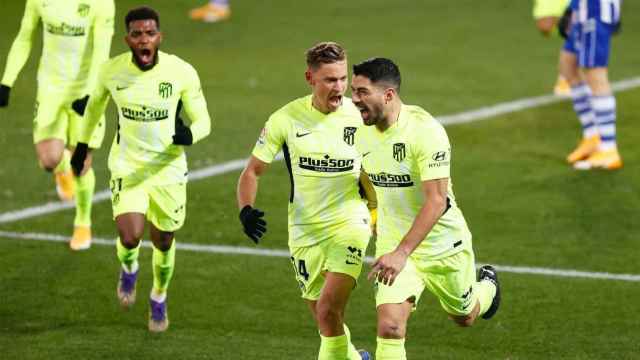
388,266
251,218
195,106
20,50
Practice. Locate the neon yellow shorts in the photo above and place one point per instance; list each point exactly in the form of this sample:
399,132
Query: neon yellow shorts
549,8
450,279
55,119
343,252
164,206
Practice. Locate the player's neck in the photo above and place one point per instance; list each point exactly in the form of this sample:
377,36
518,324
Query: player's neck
390,117
316,105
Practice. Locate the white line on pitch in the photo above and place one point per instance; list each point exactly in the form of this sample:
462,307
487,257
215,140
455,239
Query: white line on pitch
240,250
238,164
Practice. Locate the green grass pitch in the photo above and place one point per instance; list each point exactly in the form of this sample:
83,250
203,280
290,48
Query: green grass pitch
524,205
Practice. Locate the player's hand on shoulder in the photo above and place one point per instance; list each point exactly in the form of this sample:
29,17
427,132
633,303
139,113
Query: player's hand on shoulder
79,105
183,135
4,95
252,222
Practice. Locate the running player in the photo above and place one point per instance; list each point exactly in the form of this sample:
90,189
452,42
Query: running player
328,220
147,161
76,40
422,237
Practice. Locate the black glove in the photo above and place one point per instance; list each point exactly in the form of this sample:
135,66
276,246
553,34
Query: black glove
252,223
80,104
564,24
183,135
4,95
78,158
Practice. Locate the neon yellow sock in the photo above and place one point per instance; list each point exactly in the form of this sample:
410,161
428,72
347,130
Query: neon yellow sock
163,264
390,349
85,186
352,351
128,257
486,292
65,163
334,348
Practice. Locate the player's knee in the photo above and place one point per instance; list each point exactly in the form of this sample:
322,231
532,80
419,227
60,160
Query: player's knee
130,239
545,25
391,329
328,315
49,161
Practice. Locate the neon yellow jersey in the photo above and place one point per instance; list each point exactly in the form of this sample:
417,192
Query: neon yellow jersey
414,149
549,8
148,102
323,164
76,40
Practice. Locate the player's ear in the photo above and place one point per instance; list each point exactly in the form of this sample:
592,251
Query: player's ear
308,77
389,94
161,36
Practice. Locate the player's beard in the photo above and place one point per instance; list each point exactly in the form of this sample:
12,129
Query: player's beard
372,114
147,66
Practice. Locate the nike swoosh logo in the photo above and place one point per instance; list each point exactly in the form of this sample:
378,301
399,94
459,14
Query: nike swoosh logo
303,134
350,263
367,153
118,88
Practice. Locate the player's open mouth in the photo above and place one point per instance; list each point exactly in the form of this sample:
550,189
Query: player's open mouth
145,56
364,112
336,99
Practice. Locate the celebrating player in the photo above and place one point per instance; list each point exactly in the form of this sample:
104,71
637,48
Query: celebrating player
422,237
147,160
584,62
328,220
76,40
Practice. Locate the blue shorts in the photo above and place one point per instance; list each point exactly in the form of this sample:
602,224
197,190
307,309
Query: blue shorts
590,42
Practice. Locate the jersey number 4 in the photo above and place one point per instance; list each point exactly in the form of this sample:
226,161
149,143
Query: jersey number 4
300,269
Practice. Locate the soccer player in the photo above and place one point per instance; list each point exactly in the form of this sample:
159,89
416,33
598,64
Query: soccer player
213,11
584,62
328,220
546,14
422,237
76,40
147,160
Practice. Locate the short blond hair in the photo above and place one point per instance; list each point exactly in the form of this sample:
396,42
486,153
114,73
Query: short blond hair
325,53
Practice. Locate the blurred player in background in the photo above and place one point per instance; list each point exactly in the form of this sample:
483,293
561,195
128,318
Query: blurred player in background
422,237
147,160
547,13
328,221
213,11
584,62
76,40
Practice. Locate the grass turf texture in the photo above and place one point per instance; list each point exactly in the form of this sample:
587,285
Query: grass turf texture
524,205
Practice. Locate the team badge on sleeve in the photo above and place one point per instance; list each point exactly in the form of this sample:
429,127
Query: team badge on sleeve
399,152
349,133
